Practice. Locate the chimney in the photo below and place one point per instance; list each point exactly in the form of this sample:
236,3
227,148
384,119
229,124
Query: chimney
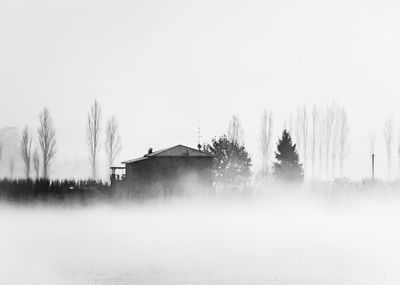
150,151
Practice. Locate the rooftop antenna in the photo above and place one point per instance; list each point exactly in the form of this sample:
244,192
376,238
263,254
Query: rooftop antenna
199,136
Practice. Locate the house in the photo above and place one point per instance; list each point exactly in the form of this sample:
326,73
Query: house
167,170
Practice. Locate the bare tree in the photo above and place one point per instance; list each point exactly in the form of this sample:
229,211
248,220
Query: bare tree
297,129
321,129
344,130
388,134
235,130
113,140
314,129
335,137
265,140
11,167
329,123
304,134
93,136
36,163
47,140
26,147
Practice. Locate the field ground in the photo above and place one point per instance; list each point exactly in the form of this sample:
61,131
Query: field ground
203,241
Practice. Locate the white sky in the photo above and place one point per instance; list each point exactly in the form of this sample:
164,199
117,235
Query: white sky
163,68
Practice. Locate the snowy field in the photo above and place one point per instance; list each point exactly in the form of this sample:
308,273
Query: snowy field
286,240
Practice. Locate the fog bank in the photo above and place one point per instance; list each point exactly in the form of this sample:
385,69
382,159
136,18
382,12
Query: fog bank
280,240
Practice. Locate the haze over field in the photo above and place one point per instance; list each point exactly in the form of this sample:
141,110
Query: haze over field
288,239
164,68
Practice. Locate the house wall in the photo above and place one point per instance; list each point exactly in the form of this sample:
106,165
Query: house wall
166,174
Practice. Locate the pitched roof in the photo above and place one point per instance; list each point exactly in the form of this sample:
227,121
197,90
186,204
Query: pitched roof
178,150
135,160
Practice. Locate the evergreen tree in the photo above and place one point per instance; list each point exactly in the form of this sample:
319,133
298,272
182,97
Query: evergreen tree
231,162
287,168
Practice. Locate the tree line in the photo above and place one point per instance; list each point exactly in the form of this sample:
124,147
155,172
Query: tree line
313,142
321,135
41,157
232,162
112,143
318,136
54,191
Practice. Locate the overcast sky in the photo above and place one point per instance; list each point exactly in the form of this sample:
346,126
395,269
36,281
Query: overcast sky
164,68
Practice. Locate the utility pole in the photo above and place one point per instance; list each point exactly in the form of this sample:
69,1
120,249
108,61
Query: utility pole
373,167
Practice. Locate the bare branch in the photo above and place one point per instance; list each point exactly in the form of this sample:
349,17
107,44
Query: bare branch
297,129
301,133
26,147
93,136
36,163
344,130
11,167
235,131
304,134
329,124
314,138
388,134
265,140
113,140
335,136
47,140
